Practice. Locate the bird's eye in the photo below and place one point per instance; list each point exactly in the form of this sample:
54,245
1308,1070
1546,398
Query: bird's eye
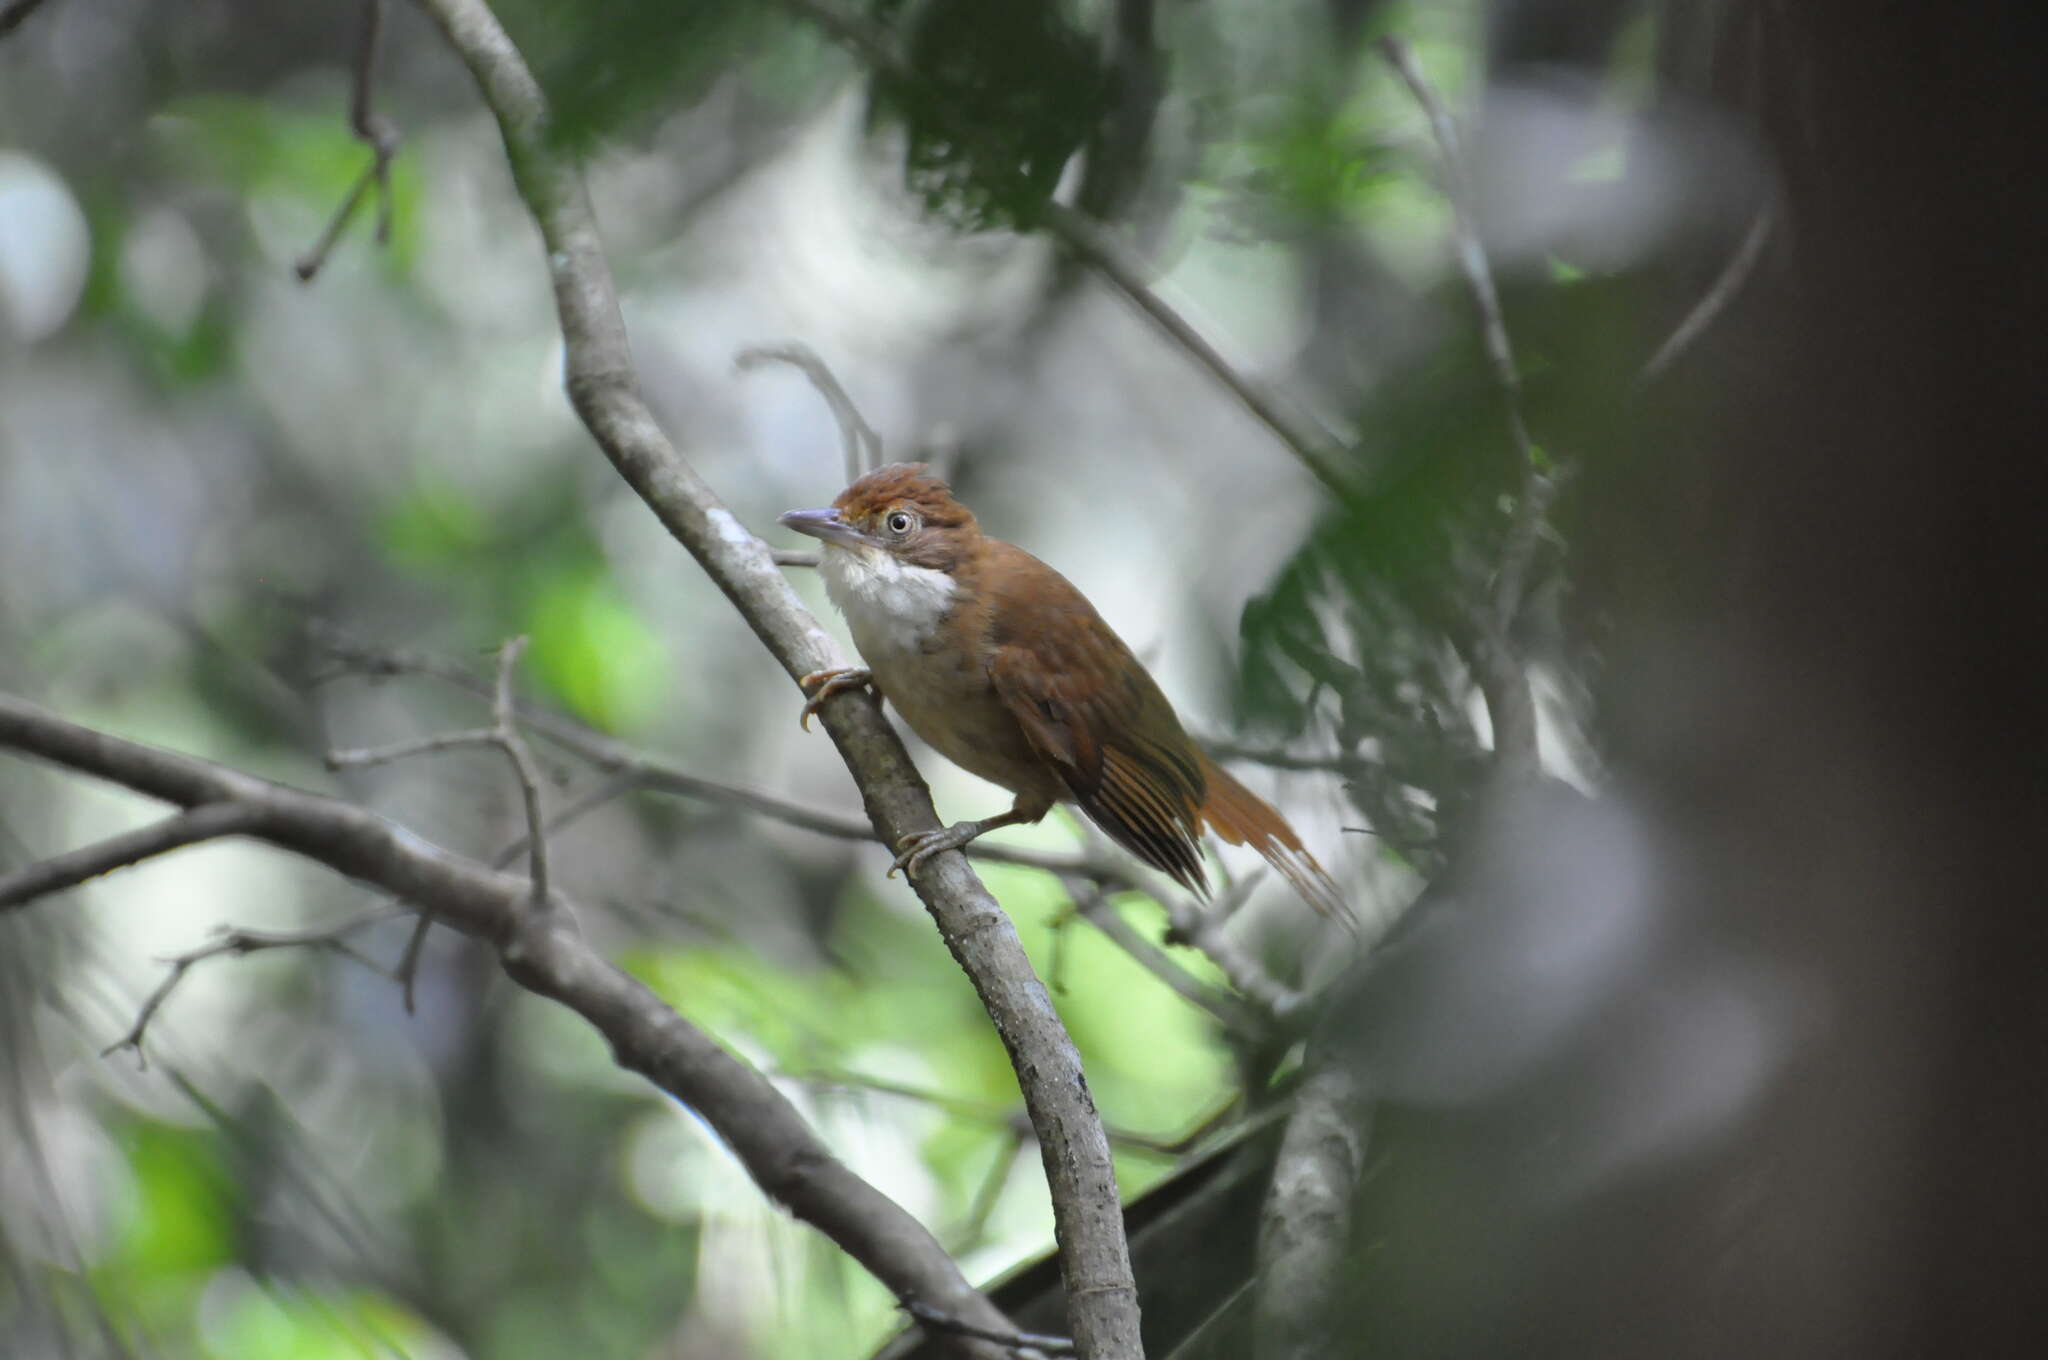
900,522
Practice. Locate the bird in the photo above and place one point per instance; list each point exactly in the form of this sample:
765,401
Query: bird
1002,666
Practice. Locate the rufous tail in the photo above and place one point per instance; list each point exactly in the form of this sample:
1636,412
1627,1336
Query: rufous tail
1241,817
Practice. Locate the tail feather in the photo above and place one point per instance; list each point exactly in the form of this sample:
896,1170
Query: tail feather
1241,817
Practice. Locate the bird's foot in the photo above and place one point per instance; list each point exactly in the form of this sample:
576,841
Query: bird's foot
913,850
828,684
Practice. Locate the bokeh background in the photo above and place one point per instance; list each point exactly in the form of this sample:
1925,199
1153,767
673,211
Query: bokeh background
233,506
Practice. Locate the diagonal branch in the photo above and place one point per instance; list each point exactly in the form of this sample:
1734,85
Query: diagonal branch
1499,670
204,823
505,728
1716,299
1231,1011
239,941
1318,450
542,952
653,774
1088,1221
1321,453
374,131
1016,1342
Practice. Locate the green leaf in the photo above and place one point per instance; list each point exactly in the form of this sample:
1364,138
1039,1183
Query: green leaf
1000,98
593,649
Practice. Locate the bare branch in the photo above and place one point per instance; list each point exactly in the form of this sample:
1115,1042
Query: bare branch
863,445
602,385
1318,451
1500,673
1335,762
365,757
1725,287
506,731
979,1110
373,130
503,735
1023,1344
239,941
1190,924
542,952
1471,253
59,872
1305,1229
1093,905
656,775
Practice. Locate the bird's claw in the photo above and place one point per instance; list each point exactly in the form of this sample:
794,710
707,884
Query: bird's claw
913,850
829,683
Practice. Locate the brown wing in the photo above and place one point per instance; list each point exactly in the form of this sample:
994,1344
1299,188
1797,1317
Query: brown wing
1087,706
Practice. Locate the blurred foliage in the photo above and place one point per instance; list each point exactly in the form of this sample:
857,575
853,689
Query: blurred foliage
996,101
610,70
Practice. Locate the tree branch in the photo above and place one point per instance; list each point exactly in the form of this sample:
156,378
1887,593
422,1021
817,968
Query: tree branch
1231,1011
238,941
1726,285
1318,451
1021,1344
1095,1260
863,446
374,131
540,950
1305,1228
204,823
1501,675
654,774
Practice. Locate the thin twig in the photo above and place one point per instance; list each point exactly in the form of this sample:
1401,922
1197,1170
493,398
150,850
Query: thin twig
59,872
1334,762
1709,308
975,1227
863,445
514,746
656,775
373,130
240,941
502,735
978,1110
1093,905
364,757
1203,930
1322,454
1023,1343
793,558
16,11
409,961
1318,450
1501,675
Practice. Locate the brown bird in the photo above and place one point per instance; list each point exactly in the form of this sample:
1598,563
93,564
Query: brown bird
999,663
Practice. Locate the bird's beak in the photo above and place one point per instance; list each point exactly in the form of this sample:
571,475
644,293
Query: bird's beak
826,524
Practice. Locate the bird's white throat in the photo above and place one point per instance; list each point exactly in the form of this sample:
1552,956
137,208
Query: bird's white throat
890,605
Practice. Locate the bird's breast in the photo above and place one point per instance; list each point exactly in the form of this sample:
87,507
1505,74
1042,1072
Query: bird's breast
898,615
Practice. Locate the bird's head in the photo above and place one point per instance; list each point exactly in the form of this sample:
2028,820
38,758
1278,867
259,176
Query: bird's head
901,511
